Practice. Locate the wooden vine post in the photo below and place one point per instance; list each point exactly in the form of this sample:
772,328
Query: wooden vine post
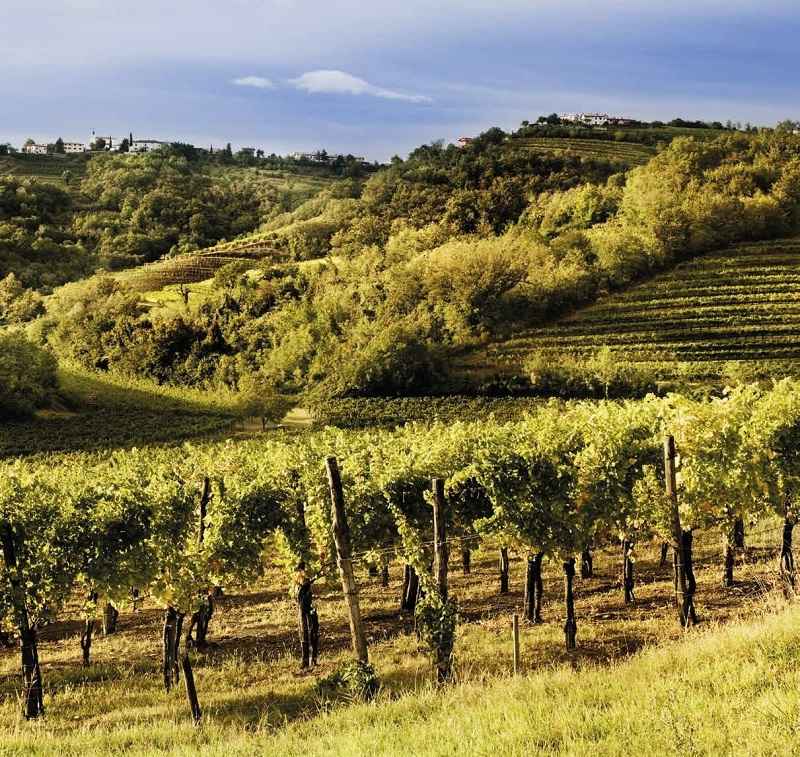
627,571
587,563
787,558
504,570
341,536
681,560
570,624
200,618
441,553
534,588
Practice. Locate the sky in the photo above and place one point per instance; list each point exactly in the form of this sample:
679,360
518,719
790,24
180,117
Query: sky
378,78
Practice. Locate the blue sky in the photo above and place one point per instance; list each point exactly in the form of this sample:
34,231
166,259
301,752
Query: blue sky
378,78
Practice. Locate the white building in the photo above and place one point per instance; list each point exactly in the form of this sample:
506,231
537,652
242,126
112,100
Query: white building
320,157
74,147
145,145
589,119
35,149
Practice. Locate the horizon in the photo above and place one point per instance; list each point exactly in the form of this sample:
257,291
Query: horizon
283,77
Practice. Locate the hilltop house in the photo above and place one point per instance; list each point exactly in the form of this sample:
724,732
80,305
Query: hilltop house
596,119
145,145
589,119
34,149
71,148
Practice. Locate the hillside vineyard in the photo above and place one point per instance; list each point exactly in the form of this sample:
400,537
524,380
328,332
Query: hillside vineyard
174,523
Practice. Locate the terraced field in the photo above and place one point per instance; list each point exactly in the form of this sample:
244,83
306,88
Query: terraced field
740,304
195,267
629,153
47,168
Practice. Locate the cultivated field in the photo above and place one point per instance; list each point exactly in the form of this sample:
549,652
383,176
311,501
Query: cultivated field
740,304
628,153
47,168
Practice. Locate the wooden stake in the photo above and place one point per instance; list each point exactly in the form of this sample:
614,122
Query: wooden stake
188,679
682,596
504,570
205,497
341,536
441,553
515,629
570,625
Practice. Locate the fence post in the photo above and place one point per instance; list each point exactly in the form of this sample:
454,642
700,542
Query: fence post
341,536
515,629
684,602
441,553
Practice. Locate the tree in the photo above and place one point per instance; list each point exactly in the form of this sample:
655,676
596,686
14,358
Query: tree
18,304
788,126
125,145
38,539
28,377
58,147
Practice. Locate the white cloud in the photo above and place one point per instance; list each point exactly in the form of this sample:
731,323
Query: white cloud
259,82
341,83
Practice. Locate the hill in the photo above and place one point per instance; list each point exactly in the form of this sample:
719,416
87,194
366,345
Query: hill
740,304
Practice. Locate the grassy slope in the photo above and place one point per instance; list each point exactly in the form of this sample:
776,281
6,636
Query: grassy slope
101,412
737,687
740,304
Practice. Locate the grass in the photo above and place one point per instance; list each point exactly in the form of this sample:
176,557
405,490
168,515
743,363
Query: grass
739,305
98,412
636,684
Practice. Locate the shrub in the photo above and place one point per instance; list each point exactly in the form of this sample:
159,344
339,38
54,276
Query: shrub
602,375
355,680
396,361
27,376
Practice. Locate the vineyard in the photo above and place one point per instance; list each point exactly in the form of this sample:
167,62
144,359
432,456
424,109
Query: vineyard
190,268
627,153
739,304
564,492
